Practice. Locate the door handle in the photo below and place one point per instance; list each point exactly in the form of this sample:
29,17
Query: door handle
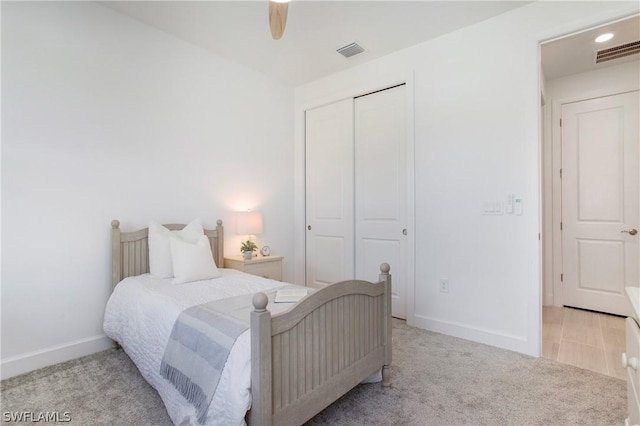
631,232
309,227
404,231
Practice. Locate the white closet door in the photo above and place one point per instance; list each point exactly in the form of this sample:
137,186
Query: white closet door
329,193
382,189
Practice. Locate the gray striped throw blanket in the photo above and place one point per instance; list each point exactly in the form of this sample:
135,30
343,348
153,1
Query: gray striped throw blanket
199,346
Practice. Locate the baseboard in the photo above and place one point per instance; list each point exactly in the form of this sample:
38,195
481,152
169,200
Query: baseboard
476,334
21,364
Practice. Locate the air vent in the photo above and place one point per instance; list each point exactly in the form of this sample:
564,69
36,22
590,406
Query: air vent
617,52
350,50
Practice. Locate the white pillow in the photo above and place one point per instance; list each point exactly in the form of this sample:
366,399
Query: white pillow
160,263
192,262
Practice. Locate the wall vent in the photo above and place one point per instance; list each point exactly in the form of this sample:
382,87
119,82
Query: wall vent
617,52
350,50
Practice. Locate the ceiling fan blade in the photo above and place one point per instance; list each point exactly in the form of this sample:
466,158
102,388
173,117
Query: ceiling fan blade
277,18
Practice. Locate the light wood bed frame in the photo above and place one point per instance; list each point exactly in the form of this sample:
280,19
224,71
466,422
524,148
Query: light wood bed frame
306,358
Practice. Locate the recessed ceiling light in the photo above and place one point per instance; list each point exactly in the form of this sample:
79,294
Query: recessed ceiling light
604,37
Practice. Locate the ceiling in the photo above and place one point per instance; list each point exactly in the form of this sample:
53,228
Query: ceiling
239,30
576,53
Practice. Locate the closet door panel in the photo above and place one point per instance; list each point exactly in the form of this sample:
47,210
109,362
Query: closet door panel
329,266
381,189
329,193
373,252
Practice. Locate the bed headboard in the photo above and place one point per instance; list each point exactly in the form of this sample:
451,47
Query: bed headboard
130,250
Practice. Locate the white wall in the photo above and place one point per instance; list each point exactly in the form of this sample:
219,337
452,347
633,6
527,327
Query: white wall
477,105
606,81
105,118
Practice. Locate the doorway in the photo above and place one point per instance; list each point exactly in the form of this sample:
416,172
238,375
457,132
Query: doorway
565,85
587,255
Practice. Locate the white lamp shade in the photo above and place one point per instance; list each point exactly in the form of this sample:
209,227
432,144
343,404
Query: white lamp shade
249,223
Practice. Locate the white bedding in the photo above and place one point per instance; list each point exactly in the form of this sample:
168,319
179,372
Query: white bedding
140,315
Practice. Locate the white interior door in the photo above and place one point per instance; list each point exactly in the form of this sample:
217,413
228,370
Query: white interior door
329,194
600,192
381,189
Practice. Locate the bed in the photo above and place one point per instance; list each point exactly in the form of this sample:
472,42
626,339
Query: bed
300,359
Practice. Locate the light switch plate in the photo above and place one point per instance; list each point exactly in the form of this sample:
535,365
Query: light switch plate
508,208
491,208
517,205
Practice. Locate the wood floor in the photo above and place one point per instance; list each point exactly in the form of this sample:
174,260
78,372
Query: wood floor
585,339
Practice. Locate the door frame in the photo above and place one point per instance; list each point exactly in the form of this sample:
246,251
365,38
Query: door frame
358,88
549,127
548,162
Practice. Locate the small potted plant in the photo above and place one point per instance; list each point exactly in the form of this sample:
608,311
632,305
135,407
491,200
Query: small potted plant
247,248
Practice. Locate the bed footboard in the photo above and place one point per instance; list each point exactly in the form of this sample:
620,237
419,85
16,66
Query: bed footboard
305,359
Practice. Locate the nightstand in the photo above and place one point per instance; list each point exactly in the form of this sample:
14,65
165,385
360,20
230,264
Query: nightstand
267,267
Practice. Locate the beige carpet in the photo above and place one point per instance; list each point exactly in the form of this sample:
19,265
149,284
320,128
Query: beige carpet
437,380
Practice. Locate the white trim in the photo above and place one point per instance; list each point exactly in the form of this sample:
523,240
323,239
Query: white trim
30,361
534,316
410,290
546,215
556,201
476,334
626,10
585,29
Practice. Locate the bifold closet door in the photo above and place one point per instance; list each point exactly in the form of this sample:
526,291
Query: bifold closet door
329,194
381,189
